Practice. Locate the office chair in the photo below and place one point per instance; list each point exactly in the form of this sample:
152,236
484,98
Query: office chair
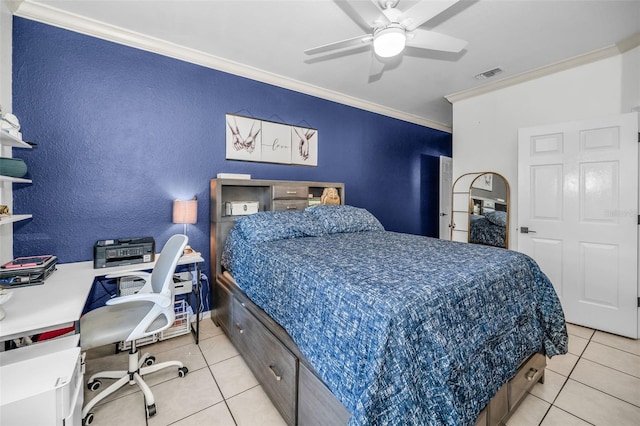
131,317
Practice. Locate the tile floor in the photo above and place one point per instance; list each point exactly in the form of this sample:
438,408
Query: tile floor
597,382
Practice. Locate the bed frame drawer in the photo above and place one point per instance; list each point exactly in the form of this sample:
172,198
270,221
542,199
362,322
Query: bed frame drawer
223,310
273,364
290,191
283,205
271,353
316,404
526,378
511,394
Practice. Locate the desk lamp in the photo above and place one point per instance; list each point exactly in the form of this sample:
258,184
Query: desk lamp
185,212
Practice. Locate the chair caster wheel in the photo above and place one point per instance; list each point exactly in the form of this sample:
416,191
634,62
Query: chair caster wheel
87,420
182,371
151,410
150,361
94,385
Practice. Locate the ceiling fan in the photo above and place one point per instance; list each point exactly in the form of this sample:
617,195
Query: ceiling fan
391,29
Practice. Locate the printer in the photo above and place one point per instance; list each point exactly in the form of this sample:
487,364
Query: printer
123,251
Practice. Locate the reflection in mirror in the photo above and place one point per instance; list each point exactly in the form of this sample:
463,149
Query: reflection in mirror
489,210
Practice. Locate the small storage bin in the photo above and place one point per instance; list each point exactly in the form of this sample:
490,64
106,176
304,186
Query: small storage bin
181,325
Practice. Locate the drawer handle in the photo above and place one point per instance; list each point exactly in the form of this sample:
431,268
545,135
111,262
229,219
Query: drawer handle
292,192
531,374
275,373
240,329
292,208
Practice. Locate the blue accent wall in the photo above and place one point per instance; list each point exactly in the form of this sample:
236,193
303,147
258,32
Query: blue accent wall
122,132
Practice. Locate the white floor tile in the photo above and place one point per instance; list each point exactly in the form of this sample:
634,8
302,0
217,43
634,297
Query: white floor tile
614,358
549,390
181,397
608,380
233,376
618,342
253,407
217,348
190,355
110,362
217,415
557,417
603,389
596,407
562,364
168,344
580,331
104,358
128,410
577,344
209,329
530,412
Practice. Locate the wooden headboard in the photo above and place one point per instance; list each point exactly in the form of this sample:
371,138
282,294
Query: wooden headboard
271,195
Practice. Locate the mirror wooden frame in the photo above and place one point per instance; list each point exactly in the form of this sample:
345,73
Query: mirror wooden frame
462,206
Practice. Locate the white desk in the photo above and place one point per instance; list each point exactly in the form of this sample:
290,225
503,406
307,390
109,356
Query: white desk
42,384
60,300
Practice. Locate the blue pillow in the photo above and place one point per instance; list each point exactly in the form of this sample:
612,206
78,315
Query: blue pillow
336,219
497,218
272,226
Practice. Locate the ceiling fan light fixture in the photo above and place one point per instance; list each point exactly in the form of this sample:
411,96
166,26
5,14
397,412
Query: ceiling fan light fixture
389,41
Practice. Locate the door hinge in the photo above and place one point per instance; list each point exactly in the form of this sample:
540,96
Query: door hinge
638,302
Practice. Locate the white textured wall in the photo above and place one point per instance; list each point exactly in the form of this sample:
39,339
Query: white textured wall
485,127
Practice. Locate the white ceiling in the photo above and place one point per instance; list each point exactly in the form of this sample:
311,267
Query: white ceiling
266,38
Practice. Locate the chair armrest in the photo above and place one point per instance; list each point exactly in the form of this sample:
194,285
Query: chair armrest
162,300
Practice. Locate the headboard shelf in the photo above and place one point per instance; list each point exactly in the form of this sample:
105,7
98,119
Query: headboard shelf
271,195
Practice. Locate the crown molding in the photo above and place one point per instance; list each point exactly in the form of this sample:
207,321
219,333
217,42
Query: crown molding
593,56
80,24
629,43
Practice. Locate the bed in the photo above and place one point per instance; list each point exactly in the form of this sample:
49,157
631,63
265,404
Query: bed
489,229
398,327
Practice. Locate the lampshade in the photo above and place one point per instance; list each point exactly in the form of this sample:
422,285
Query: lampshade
389,41
185,211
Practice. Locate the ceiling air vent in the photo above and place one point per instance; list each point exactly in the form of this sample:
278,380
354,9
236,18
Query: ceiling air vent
488,74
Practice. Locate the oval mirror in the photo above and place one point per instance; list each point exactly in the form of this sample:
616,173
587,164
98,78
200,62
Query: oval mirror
489,210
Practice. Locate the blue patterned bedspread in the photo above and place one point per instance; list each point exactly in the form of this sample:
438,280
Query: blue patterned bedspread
403,329
484,231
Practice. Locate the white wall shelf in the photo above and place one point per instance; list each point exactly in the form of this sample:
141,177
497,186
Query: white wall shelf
8,140
14,179
14,218
11,141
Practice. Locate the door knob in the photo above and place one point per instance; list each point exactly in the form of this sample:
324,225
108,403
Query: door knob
526,230
443,214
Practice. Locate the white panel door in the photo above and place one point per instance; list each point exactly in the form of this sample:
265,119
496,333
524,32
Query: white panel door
446,183
578,216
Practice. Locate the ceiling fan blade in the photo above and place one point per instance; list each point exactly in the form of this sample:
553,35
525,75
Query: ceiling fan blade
350,42
423,11
425,39
389,12
363,13
376,67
